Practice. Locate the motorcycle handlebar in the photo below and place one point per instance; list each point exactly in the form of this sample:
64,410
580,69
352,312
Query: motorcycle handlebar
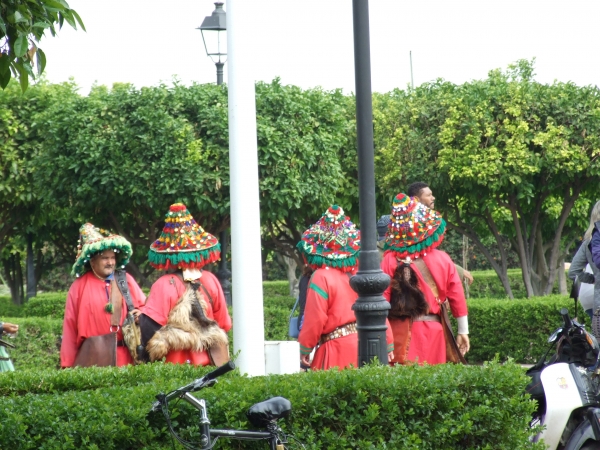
564,312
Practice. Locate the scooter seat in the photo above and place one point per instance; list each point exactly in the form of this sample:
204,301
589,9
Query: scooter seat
261,414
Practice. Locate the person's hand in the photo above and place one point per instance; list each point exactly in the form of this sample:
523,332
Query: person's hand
305,359
136,314
468,277
390,356
462,340
10,328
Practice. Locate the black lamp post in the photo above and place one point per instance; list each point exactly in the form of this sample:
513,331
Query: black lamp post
214,30
214,36
371,307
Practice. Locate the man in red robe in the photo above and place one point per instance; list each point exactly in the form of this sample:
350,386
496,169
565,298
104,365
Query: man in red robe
414,232
89,309
185,319
330,247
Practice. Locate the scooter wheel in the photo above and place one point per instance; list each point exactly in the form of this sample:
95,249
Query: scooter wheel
583,438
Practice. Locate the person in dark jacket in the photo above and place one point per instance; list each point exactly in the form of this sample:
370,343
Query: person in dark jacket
589,253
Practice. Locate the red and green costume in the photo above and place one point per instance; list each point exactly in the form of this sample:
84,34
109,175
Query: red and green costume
166,332
330,247
414,232
86,312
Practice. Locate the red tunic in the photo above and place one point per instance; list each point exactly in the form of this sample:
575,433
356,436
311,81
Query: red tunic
85,316
329,301
163,297
427,342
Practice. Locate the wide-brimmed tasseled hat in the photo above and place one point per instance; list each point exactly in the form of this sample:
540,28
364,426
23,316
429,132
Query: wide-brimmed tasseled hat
94,240
183,243
414,229
333,241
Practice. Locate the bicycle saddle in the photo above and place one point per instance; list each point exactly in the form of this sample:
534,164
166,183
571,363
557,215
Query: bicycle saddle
273,409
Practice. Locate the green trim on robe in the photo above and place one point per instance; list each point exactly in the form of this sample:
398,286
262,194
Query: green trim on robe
319,291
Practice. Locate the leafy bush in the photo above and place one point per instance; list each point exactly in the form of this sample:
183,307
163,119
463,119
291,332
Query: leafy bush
431,407
276,288
8,308
486,284
50,304
36,343
517,329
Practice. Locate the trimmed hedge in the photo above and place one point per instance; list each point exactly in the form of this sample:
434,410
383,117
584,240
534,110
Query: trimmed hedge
8,308
50,304
431,407
36,343
486,284
517,329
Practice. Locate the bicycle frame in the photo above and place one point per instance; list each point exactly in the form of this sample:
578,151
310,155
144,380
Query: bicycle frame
207,432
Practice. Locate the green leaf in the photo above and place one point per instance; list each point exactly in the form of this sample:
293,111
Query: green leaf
19,17
27,68
57,4
69,18
78,19
4,79
20,47
2,26
23,76
4,63
41,61
42,25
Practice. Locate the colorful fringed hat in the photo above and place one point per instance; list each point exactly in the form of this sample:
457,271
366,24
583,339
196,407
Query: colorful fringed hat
94,240
333,241
414,229
183,243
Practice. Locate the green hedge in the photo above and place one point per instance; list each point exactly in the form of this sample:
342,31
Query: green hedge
8,308
517,329
432,407
51,304
486,284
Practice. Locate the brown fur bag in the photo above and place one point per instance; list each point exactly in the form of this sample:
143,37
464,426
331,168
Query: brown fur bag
187,328
406,300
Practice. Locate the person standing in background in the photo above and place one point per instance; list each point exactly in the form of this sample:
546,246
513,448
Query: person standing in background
330,247
414,264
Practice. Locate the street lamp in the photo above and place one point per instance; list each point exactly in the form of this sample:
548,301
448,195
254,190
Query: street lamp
370,282
214,36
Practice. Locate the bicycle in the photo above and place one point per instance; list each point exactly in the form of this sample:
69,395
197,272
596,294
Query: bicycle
263,415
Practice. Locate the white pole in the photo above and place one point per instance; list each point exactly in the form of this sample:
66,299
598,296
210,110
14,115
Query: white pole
412,82
248,317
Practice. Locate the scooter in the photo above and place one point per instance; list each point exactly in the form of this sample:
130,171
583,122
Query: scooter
567,387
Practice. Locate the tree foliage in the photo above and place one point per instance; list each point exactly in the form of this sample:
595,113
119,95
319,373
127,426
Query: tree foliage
23,23
300,137
506,156
512,163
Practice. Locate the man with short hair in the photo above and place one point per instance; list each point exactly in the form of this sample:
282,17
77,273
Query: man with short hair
422,192
95,305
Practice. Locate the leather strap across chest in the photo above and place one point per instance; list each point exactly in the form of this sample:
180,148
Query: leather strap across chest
427,277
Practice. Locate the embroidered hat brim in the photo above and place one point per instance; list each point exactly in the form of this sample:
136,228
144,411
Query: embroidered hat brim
333,242
94,240
183,243
414,229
